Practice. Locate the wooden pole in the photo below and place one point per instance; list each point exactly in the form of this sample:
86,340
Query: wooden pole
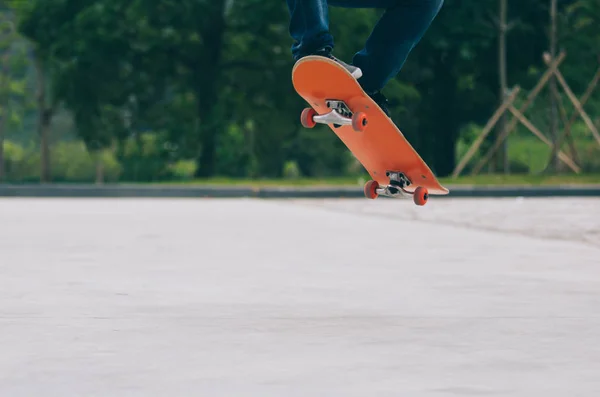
503,79
486,130
532,95
567,133
543,138
578,106
568,123
552,82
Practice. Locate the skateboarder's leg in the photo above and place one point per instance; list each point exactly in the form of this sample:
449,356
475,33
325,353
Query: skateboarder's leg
309,27
396,33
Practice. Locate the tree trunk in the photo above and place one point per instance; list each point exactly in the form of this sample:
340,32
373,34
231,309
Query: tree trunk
502,160
444,159
4,106
208,136
44,119
44,128
553,88
446,123
207,88
99,168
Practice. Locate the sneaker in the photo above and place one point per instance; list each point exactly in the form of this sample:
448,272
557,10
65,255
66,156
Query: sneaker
382,101
326,52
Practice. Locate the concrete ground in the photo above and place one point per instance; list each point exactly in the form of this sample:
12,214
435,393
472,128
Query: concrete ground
161,297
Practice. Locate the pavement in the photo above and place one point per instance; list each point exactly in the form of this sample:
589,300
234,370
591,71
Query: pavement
250,297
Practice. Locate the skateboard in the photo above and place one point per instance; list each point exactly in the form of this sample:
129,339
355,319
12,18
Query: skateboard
337,99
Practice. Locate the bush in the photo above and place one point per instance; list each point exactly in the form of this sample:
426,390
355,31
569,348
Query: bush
291,170
232,154
144,158
183,170
69,162
590,158
17,162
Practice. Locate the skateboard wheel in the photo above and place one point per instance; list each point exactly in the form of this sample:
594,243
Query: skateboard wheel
421,196
371,190
306,118
359,121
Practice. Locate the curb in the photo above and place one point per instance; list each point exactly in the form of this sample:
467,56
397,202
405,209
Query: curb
170,191
525,191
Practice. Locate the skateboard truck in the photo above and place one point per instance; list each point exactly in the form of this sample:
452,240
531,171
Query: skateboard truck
340,114
396,188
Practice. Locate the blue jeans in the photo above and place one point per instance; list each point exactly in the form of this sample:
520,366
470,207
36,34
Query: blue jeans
396,33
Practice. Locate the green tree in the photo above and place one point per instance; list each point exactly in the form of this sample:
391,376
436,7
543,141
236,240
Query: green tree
210,80
579,35
37,23
13,96
455,71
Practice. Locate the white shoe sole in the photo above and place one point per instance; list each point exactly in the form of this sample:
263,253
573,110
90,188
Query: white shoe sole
357,74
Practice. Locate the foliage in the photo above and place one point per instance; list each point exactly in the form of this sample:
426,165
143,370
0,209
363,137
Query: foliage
13,86
190,88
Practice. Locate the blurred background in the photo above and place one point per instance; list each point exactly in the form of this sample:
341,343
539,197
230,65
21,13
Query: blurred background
103,91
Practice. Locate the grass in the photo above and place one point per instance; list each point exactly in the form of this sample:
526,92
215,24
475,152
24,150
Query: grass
529,156
525,150
479,180
527,180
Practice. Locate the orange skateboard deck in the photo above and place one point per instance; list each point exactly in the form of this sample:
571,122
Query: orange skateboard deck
337,99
